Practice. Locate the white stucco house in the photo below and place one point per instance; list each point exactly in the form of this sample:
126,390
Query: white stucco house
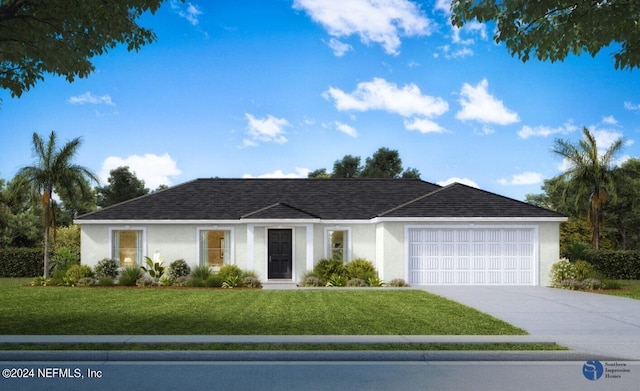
411,229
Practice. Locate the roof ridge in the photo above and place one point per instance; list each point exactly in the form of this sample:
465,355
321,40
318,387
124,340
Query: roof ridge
412,201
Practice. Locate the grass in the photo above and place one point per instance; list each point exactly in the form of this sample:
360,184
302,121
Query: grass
161,311
628,288
288,347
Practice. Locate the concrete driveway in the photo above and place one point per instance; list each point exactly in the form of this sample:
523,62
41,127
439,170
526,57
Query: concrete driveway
587,322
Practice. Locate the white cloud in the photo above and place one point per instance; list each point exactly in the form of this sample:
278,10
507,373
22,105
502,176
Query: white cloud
154,170
339,48
609,120
423,126
89,98
267,130
526,178
444,6
478,105
299,173
408,101
449,54
631,106
346,129
378,21
545,131
464,181
605,138
187,11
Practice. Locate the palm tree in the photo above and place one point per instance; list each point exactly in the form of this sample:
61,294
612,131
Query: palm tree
589,172
54,171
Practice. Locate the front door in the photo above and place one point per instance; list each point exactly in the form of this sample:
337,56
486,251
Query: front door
280,251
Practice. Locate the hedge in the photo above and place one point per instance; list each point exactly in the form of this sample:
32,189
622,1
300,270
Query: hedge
616,264
21,262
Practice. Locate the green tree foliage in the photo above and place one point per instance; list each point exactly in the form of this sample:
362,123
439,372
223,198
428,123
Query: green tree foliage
347,167
123,185
384,163
61,37
622,213
54,170
590,173
19,224
552,29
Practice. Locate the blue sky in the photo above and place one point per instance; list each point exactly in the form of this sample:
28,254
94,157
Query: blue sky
278,88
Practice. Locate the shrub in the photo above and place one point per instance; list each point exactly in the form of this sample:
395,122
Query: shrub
146,281
620,265
336,280
39,281
21,262
155,269
325,268
179,268
201,271
129,275
570,284
87,281
563,270
63,259
57,278
311,281
251,282
195,282
583,270
214,281
375,282
230,271
182,281
577,250
399,283
360,268
231,282
75,273
611,284
165,281
592,284
356,282
106,268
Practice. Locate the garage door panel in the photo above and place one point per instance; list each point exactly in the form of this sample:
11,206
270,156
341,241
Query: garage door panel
472,255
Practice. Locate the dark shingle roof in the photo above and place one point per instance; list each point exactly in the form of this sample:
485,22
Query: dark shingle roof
329,199
458,200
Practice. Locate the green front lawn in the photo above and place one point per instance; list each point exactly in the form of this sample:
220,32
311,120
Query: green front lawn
157,311
629,288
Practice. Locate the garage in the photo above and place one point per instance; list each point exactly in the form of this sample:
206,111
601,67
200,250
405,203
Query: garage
472,255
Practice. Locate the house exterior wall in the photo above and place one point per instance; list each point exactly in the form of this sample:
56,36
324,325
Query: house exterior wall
383,243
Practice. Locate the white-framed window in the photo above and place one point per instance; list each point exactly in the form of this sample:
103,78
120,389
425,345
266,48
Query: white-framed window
338,243
214,246
127,246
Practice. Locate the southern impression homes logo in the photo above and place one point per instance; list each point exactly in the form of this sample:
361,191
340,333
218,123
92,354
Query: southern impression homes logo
594,370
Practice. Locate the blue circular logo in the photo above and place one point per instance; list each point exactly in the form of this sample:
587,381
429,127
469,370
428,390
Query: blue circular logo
592,370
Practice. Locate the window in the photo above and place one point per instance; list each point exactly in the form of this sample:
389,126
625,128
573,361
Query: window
126,247
215,247
337,244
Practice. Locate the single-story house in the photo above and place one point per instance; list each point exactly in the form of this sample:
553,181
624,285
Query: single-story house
280,228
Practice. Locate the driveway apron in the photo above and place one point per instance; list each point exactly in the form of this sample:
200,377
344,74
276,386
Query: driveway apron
588,322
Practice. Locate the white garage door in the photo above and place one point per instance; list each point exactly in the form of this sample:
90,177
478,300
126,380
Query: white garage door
472,256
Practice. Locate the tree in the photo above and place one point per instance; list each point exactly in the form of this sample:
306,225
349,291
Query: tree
54,171
551,29
385,163
589,172
622,214
123,185
61,37
348,167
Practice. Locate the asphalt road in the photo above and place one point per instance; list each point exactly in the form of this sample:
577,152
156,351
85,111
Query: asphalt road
380,375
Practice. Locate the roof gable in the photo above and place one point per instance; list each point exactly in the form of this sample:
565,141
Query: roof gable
279,211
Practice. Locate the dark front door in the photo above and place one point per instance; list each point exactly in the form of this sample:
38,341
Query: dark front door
280,252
